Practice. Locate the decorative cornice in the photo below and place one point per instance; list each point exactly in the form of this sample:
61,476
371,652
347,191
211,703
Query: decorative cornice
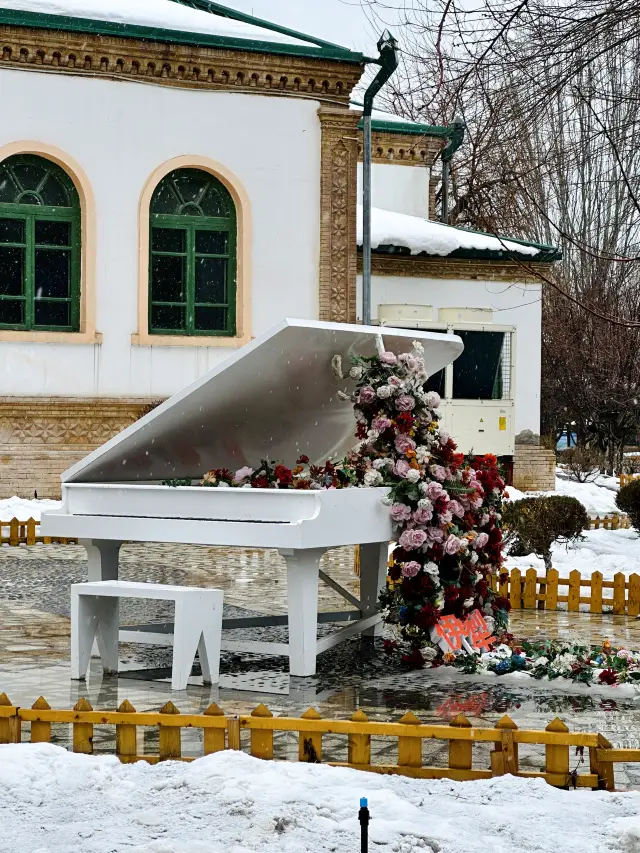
455,268
337,275
180,65
404,149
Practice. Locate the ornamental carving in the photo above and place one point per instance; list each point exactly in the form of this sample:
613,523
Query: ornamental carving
417,266
187,66
403,149
338,215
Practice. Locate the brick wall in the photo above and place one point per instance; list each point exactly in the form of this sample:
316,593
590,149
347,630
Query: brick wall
40,437
534,469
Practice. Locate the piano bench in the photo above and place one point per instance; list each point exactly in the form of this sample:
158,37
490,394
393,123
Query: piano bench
197,626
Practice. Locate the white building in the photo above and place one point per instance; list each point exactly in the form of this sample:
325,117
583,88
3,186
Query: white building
174,181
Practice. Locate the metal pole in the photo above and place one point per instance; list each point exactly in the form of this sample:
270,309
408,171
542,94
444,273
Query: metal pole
444,215
366,222
363,817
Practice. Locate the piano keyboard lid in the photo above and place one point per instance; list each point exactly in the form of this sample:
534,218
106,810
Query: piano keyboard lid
274,398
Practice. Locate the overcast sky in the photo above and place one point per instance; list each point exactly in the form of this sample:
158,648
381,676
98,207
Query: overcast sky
339,21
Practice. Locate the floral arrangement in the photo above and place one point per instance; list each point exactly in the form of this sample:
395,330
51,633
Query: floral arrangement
555,659
446,509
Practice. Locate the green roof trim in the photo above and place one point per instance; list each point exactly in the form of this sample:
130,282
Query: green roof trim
408,128
547,254
40,20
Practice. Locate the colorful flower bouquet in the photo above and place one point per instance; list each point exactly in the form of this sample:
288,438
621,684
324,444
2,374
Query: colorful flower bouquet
446,508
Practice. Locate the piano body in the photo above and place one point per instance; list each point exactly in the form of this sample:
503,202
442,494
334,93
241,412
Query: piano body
275,398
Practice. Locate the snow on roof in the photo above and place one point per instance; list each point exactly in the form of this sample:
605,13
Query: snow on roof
433,238
164,14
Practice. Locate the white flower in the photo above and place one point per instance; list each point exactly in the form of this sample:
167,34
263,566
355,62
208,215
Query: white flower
432,570
474,557
425,503
423,488
223,485
413,475
541,661
429,653
384,392
356,372
491,623
336,365
422,454
444,436
379,463
372,478
418,347
433,400
343,396
467,602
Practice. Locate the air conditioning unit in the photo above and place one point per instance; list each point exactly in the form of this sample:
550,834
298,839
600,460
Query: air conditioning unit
406,316
465,315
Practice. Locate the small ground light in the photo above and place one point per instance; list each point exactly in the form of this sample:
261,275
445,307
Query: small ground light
364,817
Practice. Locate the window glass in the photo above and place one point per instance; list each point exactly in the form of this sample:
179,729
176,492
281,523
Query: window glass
192,268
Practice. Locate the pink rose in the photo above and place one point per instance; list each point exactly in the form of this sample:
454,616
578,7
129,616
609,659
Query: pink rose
388,358
452,545
481,540
404,443
405,403
439,473
434,490
400,512
456,508
380,424
367,394
446,517
436,534
401,468
422,516
409,360
476,502
411,569
242,474
412,539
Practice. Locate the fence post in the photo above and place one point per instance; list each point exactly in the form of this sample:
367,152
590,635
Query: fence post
310,742
169,736
14,532
573,605
557,757
595,605
604,769
410,748
10,727
83,732
616,522
503,586
233,733
552,589
214,739
126,735
40,730
359,746
515,592
618,594
460,751
530,585
596,522
504,758
31,532
262,741
633,599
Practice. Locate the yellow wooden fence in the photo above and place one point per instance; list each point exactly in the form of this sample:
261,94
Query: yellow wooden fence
614,521
529,590
625,479
563,764
16,532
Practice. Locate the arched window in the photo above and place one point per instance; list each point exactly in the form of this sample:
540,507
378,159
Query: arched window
40,246
192,268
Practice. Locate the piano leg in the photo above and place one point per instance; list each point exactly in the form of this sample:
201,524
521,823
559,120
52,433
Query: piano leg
373,578
302,600
102,557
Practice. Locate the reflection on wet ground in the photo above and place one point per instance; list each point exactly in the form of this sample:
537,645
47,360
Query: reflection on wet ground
34,655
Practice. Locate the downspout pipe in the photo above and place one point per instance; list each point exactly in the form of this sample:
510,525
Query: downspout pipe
388,61
456,136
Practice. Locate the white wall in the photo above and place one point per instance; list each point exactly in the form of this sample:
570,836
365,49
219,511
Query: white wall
401,189
120,132
516,305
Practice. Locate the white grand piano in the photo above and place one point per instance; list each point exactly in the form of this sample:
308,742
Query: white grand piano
275,398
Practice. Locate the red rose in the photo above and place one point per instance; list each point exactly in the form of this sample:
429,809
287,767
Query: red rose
284,475
608,676
302,460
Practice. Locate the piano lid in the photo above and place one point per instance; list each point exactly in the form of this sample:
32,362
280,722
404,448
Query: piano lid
273,398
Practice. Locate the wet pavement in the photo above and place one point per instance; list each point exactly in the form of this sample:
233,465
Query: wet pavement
34,657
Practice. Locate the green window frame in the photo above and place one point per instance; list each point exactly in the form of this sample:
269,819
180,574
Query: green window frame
40,246
192,256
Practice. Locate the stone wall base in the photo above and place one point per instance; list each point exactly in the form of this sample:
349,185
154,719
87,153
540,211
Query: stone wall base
534,469
40,437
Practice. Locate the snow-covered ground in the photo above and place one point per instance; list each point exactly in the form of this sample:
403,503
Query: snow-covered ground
53,801
598,497
24,509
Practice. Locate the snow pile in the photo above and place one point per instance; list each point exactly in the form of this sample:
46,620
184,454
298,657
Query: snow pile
597,497
23,509
52,801
152,13
423,235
